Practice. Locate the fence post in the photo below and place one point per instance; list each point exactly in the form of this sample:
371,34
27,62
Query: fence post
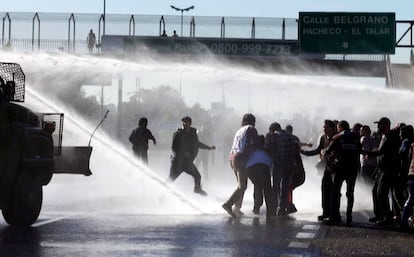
223,28
101,21
192,27
253,35
163,25
4,20
36,17
71,18
132,21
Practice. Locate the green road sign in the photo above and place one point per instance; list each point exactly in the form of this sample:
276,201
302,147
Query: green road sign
346,33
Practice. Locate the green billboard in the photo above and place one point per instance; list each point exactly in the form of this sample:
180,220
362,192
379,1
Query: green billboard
346,33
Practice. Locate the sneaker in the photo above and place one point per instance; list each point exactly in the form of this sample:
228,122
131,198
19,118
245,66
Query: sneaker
291,208
228,209
271,215
385,222
332,221
322,217
200,191
396,218
374,219
238,212
281,212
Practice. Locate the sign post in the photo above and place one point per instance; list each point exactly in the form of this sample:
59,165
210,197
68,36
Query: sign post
347,33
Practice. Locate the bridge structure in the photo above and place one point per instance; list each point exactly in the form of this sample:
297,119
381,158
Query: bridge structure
285,45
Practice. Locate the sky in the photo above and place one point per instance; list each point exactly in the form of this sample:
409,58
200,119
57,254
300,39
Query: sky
259,8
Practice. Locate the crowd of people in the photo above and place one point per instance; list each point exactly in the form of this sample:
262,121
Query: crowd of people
273,162
383,160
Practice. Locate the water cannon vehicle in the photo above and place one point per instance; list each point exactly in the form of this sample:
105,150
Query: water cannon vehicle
31,151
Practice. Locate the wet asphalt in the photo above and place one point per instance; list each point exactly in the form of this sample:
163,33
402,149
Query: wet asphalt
121,212
103,234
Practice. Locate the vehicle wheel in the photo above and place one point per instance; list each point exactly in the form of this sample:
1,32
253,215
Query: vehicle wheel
24,209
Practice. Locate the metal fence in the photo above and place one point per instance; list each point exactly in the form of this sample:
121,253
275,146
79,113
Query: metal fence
50,45
68,31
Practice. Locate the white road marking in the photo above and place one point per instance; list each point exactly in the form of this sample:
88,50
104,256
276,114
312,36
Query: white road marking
303,245
311,227
290,255
305,235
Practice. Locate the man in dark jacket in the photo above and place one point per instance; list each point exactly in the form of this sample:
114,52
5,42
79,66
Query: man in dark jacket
344,151
283,149
139,139
388,169
326,185
185,148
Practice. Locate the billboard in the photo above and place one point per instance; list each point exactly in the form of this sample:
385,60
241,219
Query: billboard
189,46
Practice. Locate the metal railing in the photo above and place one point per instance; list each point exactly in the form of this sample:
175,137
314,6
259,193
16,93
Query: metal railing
50,45
55,27
399,42
50,26
390,77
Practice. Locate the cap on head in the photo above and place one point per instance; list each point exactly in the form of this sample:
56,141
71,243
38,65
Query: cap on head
186,119
248,119
383,120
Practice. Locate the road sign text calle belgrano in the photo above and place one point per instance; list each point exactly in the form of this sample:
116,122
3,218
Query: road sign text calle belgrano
347,33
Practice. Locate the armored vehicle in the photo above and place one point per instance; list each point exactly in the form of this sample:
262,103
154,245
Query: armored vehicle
30,151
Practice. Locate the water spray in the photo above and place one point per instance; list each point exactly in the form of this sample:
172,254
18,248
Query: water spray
143,169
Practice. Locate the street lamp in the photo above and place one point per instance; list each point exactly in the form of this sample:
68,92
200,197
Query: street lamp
182,10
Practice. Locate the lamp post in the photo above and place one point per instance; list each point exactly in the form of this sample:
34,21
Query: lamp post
104,17
182,11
